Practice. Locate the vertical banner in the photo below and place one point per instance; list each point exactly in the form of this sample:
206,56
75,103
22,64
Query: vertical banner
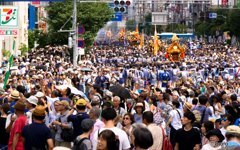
32,17
10,63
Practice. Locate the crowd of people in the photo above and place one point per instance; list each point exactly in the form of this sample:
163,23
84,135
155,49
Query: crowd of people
122,98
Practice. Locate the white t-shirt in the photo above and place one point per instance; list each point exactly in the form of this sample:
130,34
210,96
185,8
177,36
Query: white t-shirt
29,116
123,138
208,147
176,119
223,131
8,120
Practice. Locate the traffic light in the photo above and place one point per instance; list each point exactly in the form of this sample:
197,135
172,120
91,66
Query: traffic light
122,9
120,5
122,2
116,2
128,2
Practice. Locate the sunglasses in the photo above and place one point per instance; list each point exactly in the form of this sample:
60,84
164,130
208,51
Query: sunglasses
125,118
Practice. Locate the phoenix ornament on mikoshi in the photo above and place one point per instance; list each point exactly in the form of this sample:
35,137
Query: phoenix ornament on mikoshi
134,37
175,52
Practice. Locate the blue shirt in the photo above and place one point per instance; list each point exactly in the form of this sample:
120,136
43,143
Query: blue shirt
208,112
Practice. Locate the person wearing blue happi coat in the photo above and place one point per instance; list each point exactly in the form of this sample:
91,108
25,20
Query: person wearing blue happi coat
164,78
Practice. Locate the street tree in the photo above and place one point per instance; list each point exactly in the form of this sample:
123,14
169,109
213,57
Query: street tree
92,16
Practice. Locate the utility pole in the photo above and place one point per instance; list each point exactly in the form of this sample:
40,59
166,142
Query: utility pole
75,51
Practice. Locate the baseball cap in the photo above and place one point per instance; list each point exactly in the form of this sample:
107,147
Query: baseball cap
39,94
81,102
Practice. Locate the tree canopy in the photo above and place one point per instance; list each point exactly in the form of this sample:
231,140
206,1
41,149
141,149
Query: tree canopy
227,20
92,16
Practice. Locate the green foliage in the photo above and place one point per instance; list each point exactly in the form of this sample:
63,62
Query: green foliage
234,21
31,38
146,26
92,16
130,25
227,20
23,48
202,28
36,35
148,29
176,28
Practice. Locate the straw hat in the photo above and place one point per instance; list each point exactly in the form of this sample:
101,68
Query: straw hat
233,129
188,105
39,111
15,94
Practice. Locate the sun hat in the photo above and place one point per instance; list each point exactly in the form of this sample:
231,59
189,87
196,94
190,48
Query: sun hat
188,105
39,111
39,94
33,100
233,129
15,94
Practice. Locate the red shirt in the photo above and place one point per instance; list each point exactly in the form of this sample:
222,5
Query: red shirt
17,127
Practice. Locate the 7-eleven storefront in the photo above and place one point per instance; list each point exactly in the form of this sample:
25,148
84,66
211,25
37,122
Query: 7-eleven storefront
13,26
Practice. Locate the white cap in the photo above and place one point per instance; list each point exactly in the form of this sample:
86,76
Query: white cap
40,76
175,93
33,100
109,93
39,94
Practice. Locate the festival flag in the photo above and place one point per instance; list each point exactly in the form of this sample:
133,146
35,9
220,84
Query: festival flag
156,47
141,41
136,30
10,63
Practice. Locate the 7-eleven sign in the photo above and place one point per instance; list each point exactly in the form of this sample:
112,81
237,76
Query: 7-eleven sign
8,16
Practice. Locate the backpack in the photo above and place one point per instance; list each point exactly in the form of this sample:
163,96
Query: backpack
67,134
79,145
166,142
